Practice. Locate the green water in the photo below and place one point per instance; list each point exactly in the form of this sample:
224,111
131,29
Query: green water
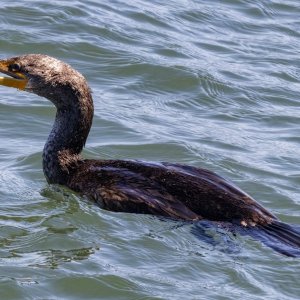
212,84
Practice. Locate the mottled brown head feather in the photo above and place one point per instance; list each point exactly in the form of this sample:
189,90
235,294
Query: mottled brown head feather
68,90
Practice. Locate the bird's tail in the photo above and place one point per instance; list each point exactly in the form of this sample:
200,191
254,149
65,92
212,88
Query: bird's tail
281,237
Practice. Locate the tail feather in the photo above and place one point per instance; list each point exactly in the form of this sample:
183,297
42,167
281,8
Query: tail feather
284,233
281,237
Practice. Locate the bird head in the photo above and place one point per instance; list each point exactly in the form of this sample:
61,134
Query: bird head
45,76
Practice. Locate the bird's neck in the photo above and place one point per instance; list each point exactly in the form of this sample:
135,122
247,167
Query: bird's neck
66,140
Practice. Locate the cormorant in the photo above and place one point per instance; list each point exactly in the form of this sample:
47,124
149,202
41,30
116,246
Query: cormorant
167,189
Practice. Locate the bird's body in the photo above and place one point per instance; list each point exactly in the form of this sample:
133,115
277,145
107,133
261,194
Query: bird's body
166,189
172,190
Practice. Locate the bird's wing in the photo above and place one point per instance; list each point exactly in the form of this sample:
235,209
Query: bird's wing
139,198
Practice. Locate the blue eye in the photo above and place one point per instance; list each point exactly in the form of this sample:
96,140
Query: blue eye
14,68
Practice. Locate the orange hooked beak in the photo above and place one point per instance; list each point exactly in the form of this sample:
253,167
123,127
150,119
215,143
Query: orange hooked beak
17,79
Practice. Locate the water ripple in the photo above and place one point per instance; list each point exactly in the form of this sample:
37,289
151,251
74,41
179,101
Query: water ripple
209,84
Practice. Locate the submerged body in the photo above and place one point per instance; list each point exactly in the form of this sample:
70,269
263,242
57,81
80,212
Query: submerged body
166,189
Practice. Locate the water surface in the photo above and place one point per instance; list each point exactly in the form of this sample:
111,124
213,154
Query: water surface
212,84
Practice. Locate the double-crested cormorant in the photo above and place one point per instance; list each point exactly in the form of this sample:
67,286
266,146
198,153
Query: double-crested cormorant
172,190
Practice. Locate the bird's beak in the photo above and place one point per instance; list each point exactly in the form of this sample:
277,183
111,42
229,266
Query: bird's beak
17,79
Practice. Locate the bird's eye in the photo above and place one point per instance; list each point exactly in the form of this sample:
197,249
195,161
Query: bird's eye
14,68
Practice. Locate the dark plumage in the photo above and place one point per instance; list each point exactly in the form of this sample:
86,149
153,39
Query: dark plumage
166,189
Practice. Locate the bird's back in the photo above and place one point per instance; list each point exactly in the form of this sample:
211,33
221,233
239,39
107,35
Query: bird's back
173,190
